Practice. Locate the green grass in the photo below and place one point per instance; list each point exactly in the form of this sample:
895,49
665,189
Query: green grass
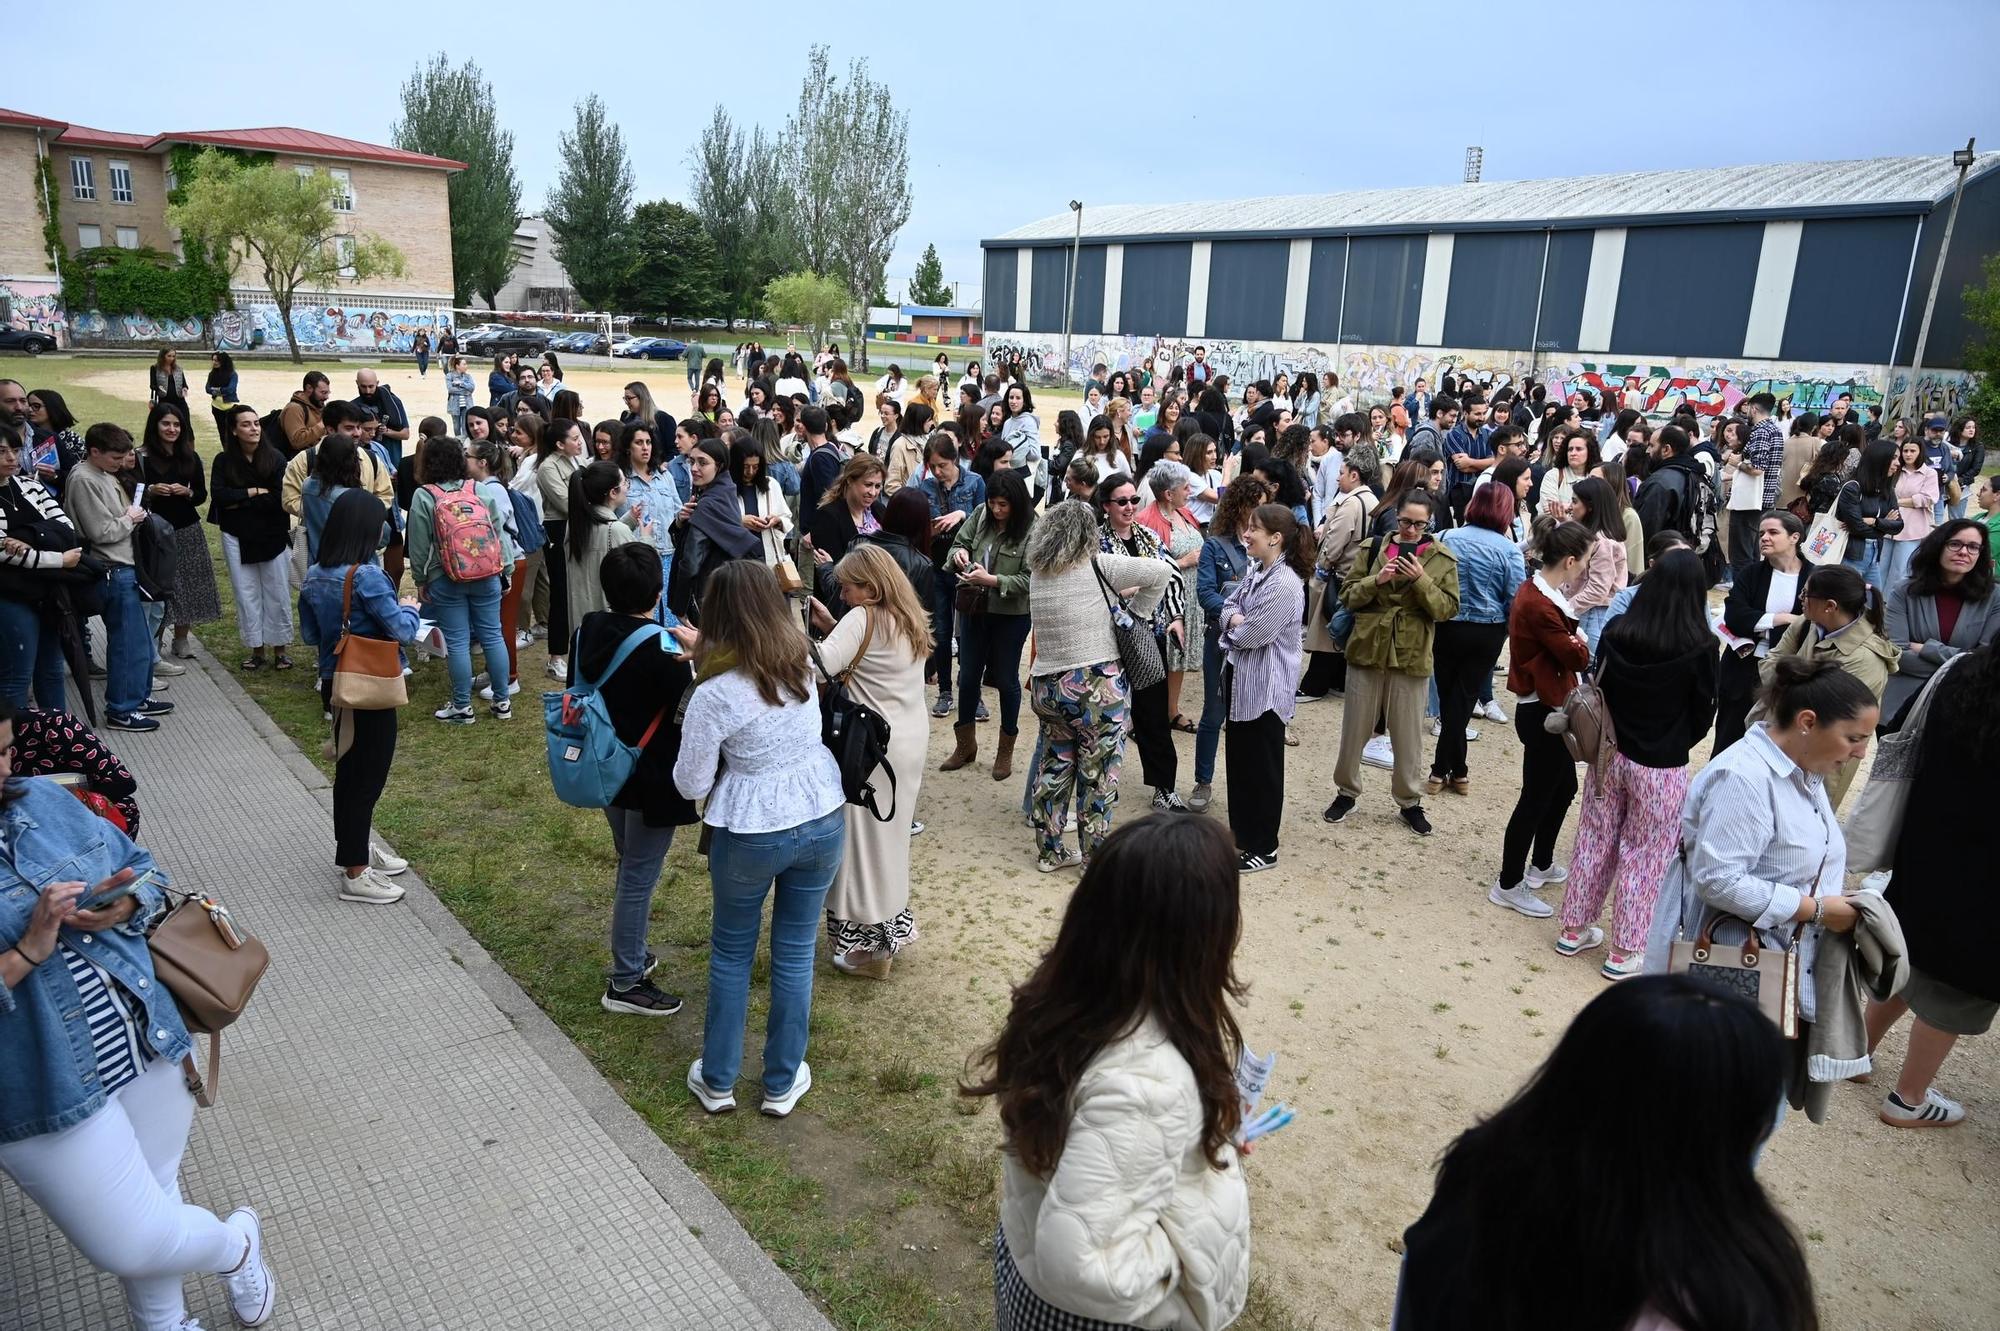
877,1197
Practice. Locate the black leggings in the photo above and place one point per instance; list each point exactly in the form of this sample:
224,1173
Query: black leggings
1548,788
556,558
1253,754
358,779
1152,731
1464,654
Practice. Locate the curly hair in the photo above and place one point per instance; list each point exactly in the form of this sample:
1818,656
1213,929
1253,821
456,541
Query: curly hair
1238,502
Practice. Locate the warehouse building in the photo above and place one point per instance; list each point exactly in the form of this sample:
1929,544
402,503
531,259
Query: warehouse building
1808,279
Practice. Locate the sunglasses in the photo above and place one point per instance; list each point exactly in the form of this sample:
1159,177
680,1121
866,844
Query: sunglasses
1127,501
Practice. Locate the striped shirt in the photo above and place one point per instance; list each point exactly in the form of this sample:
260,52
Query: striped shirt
114,1031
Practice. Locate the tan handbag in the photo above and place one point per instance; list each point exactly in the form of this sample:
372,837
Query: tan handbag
211,968
782,567
1747,969
367,672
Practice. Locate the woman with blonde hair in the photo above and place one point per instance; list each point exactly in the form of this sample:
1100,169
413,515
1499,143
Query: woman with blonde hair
928,394
879,648
850,508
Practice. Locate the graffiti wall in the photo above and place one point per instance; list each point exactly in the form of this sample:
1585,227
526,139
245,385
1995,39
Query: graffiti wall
255,325
1372,374
95,326
35,307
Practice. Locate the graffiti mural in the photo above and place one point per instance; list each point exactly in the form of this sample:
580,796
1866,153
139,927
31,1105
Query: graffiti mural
1937,393
35,307
327,327
97,326
1713,390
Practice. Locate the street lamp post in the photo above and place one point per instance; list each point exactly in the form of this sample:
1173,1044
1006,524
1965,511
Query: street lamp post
1962,159
1069,295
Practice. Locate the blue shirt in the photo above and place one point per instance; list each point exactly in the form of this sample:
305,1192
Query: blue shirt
376,612
662,500
968,494
1472,444
1490,571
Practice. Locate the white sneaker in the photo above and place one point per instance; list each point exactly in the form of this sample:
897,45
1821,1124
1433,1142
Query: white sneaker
1522,898
1582,940
1492,712
715,1102
382,862
513,687
523,638
502,710
170,669
253,1290
1555,873
780,1106
369,888
456,716
1437,729
1378,752
559,669
1934,1112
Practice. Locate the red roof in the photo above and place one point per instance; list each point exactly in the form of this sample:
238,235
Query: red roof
26,121
309,143
81,137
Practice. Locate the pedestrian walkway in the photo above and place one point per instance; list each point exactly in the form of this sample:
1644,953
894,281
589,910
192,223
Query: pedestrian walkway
426,1148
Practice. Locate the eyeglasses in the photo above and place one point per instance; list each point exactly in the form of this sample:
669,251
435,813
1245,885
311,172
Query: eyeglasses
1968,547
1414,524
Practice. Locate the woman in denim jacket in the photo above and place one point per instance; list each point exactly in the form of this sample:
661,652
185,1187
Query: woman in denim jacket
94,1107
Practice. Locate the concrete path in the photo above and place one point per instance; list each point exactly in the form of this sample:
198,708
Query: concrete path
427,1150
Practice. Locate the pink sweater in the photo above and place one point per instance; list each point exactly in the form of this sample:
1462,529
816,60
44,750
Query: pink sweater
1916,497
1603,576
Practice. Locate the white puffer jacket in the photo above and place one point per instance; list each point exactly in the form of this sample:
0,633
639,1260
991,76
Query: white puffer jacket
1134,1227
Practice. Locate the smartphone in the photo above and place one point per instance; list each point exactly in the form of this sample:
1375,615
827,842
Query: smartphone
110,896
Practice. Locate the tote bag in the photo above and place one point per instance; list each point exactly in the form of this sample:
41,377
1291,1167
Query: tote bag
1826,539
1138,649
367,672
1877,821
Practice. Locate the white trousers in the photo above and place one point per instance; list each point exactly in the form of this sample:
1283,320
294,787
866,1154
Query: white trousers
263,596
111,1184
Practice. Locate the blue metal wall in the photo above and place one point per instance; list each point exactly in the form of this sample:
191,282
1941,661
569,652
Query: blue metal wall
1847,289
1495,277
1685,290
1976,236
1153,299
1323,287
1385,287
999,292
1246,288
1562,290
1045,313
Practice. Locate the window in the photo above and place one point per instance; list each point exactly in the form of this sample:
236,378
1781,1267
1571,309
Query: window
128,237
343,249
82,181
89,237
343,194
121,182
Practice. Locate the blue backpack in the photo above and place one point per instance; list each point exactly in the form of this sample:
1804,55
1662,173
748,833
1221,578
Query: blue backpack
528,527
588,763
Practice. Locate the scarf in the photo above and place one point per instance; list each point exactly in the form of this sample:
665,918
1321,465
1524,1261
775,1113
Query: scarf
718,517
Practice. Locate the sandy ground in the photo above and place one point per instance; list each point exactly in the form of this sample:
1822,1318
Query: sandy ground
1402,1006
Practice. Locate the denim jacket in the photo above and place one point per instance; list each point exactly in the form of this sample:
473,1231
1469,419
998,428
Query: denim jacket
1224,561
377,613
48,1070
662,500
1490,571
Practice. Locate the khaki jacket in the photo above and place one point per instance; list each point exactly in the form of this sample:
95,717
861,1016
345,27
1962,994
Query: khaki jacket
1395,622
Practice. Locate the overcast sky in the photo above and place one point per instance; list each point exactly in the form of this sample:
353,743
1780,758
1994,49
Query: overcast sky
1169,101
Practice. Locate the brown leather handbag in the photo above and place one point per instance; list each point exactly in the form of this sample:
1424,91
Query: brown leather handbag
1767,978
211,968
367,672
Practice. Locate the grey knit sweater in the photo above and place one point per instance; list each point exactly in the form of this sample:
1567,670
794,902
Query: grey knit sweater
1071,620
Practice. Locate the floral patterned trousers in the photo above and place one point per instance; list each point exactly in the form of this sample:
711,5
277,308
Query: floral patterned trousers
1627,835
1085,714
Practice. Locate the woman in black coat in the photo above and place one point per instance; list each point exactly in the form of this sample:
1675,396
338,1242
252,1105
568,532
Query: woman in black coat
851,507
1947,900
1762,604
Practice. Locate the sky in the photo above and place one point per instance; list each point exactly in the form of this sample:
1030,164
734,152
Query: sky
1154,104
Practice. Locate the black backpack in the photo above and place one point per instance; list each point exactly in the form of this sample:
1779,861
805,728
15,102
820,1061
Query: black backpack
154,558
856,735
273,429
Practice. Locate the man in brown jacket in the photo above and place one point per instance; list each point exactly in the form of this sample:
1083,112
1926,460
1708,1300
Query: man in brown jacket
301,416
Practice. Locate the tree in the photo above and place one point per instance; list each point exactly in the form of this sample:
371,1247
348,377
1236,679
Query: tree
282,222
720,188
1982,348
590,209
927,286
450,113
674,268
845,160
807,298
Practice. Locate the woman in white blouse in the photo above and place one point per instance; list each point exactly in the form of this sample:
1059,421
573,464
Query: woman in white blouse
774,807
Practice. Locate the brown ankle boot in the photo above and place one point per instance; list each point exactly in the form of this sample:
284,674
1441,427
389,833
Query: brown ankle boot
967,750
1003,758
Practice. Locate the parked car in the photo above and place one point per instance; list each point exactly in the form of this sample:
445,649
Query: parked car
662,348
588,344
499,340
30,341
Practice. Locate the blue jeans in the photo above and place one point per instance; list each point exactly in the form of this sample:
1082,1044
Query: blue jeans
662,615
742,867
1870,558
128,647
1897,566
992,640
465,610
641,852
1214,708
30,653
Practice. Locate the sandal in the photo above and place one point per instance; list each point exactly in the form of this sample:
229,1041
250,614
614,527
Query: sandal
1185,726
249,663
283,662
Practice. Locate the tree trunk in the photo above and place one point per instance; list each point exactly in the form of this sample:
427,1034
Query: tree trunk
284,304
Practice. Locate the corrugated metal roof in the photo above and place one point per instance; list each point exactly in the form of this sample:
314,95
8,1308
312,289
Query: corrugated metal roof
1869,185
27,121
309,143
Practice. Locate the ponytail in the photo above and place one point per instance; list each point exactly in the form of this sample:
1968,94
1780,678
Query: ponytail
1799,684
589,486
1847,589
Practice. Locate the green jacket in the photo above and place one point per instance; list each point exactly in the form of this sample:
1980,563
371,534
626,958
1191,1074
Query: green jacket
1394,622
1858,649
1006,561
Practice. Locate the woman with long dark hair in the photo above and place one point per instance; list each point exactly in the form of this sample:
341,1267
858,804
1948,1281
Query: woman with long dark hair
559,457
176,489
1656,667
1152,722
244,500
765,512
1692,1240
346,591
988,554
1224,562
1918,492
1763,602
1840,620
221,389
58,444
652,496
750,747
1120,1207
708,530
1490,572
1867,507
598,492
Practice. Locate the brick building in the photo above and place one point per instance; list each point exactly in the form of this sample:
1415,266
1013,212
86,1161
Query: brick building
110,189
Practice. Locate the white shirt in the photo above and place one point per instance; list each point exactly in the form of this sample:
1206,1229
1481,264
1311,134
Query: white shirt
775,773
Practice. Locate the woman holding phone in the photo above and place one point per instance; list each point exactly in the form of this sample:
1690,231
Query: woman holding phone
94,1104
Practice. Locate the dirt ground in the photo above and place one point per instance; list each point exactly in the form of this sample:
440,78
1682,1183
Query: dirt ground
1401,1004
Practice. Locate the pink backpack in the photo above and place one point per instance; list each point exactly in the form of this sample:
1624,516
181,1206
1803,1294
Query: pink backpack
468,546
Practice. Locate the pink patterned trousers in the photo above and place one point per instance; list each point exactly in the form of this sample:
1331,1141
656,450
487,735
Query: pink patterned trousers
1626,836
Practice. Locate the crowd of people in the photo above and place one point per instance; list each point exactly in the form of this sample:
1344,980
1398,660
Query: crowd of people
1783,589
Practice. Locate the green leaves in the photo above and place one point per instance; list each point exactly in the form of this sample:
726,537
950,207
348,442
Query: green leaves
590,210
927,285
808,298
673,263
450,113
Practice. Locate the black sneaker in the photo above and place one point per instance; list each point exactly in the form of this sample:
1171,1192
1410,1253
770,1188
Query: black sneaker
641,1000
130,721
1414,816
1337,811
1249,863
154,707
